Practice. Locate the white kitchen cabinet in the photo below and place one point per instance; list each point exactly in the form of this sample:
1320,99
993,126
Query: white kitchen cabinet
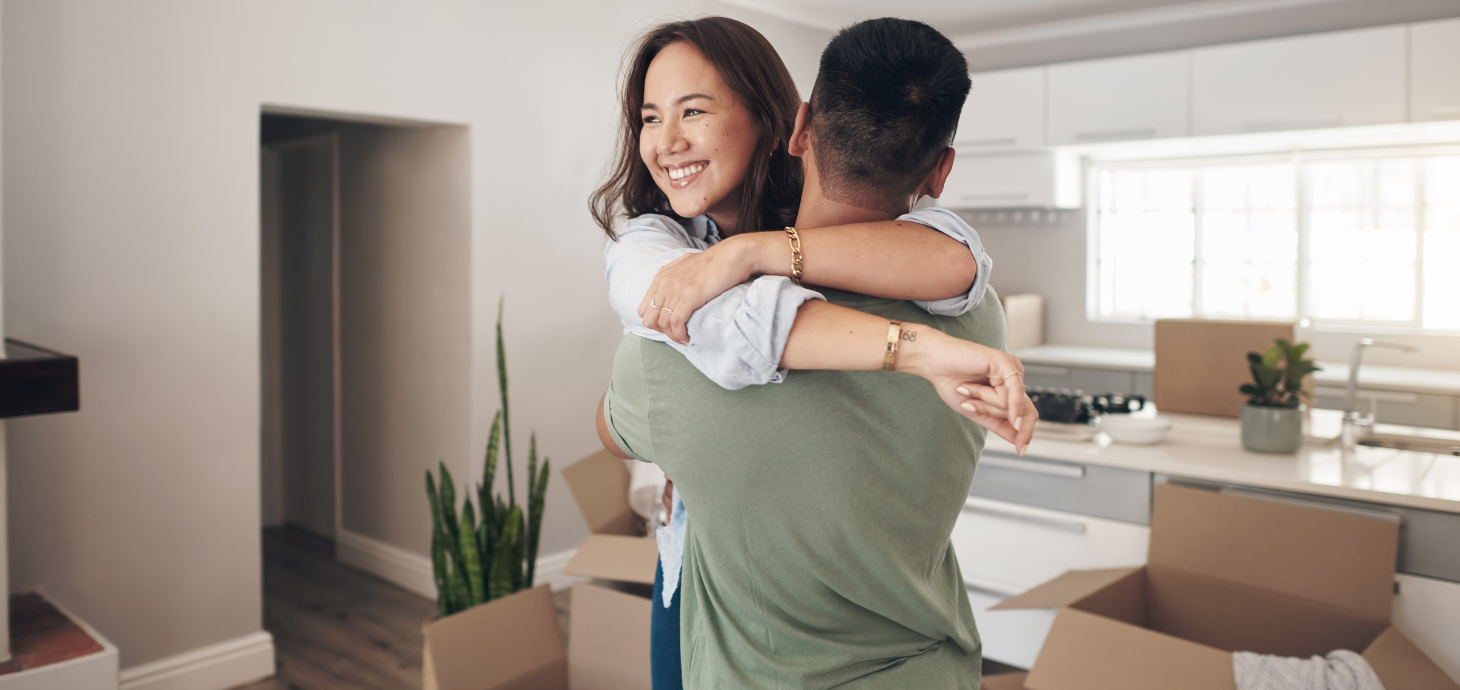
1339,79
1004,111
1032,179
1140,97
1434,70
1394,407
1427,611
1007,548
1090,381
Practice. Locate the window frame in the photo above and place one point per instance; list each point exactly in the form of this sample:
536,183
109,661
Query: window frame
1299,159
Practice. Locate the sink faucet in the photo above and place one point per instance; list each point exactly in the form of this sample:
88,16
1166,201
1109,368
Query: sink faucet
1352,420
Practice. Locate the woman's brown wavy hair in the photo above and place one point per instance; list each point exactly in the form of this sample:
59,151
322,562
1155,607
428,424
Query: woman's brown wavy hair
771,191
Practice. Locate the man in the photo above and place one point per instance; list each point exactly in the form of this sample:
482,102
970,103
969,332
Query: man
818,551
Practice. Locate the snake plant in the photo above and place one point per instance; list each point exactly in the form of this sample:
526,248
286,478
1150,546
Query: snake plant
490,551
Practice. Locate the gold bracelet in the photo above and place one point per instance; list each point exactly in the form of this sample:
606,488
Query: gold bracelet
894,334
795,241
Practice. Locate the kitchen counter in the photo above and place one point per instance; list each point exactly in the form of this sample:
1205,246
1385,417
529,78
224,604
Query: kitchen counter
1409,380
1210,448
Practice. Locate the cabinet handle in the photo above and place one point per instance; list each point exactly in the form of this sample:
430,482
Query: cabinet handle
1280,125
1034,466
1381,396
992,141
1061,524
1116,134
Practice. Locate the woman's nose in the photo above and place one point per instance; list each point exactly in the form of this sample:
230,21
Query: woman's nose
671,139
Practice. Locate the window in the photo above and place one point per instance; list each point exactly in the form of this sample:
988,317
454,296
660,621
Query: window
1359,240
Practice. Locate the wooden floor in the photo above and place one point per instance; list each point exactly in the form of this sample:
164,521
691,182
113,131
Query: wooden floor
338,628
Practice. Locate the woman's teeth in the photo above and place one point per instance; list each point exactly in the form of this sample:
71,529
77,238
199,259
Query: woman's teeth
681,173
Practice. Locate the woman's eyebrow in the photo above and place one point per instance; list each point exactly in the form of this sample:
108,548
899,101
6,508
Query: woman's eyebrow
678,101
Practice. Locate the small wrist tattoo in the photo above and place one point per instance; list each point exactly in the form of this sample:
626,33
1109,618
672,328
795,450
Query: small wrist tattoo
910,336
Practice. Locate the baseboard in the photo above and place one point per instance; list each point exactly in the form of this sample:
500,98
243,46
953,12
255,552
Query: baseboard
412,571
215,667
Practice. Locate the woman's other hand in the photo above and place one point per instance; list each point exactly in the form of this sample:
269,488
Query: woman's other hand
976,381
684,285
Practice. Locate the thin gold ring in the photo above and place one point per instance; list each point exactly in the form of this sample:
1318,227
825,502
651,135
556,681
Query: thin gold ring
652,304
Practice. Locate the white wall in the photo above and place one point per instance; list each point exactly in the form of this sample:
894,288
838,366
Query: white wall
132,214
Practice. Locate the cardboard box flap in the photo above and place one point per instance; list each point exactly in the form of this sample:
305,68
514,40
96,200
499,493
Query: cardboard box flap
1344,560
1085,651
600,485
610,633
521,632
614,557
1004,681
1064,590
1400,664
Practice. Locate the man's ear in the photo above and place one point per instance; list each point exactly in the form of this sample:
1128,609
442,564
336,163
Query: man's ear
933,183
800,136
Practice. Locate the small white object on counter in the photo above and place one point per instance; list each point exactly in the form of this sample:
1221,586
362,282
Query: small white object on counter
1135,431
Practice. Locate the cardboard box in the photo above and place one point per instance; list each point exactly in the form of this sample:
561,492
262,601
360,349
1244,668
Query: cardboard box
515,643
1200,363
1228,573
1024,315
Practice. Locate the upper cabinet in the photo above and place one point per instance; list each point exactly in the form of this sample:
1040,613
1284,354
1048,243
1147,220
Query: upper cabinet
1121,99
1338,79
1004,111
1434,70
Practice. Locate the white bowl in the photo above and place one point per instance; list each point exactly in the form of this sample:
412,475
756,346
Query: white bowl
1135,431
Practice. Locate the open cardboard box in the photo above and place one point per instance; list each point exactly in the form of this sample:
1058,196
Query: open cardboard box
1228,573
515,643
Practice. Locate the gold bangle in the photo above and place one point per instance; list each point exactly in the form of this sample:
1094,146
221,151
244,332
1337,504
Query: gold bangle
795,241
894,334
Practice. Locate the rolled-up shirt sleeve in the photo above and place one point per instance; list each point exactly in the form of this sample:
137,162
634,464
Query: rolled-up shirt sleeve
948,223
737,338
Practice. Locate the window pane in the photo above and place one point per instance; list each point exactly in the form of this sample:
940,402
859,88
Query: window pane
1361,239
1442,243
1146,243
1249,241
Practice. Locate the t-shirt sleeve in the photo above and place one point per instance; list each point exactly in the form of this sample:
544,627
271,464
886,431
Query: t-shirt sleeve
948,223
626,406
737,338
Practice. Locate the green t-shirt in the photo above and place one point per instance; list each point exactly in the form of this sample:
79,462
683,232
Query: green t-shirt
817,553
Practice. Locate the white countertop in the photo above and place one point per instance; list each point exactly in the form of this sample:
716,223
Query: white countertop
1433,381
1210,448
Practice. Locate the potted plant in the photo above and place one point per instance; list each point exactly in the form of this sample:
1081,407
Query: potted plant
488,551
1272,419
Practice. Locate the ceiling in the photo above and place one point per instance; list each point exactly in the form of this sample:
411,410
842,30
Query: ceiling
975,16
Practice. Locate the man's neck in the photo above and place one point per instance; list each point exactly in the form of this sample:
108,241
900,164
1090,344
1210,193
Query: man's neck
817,211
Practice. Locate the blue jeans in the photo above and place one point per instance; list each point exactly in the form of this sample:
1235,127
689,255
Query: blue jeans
664,666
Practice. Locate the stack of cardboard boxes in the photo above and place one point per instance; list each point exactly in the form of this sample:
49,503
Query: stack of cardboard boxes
1224,573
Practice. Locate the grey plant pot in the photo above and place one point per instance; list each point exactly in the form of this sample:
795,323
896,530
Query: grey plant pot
1272,429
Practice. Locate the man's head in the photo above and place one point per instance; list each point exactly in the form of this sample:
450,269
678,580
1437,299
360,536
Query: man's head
883,112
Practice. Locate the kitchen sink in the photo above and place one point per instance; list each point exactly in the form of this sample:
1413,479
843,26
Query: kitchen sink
1442,441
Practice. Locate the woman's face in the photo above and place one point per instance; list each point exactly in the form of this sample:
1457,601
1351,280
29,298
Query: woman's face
696,136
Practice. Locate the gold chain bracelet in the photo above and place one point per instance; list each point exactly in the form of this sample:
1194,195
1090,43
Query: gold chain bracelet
795,241
894,334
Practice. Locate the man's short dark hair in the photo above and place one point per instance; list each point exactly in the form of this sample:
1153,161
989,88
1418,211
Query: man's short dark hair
885,106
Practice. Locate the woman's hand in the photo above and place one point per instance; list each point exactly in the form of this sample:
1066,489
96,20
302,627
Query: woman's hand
684,285
976,381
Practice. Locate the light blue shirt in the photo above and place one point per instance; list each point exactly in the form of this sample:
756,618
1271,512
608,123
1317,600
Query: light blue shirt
737,338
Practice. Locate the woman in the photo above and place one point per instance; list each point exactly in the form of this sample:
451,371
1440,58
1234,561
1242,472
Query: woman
703,166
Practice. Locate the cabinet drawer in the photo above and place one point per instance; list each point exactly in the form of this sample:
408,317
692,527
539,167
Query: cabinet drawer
1091,381
1120,99
1339,79
1005,548
1004,111
1095,490
1011,637
1395,407
1434,50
